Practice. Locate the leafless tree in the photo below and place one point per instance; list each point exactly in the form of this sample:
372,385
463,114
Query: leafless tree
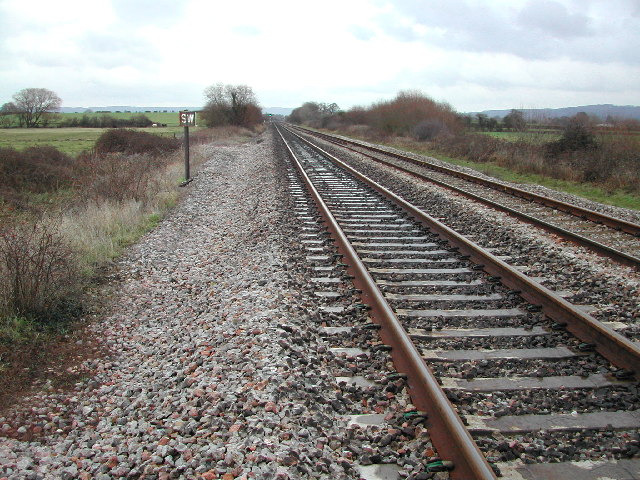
33,105
231,105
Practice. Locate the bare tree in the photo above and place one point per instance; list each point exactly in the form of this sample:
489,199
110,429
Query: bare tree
231,105
33,105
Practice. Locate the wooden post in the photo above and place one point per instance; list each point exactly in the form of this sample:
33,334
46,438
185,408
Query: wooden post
187,118
187,175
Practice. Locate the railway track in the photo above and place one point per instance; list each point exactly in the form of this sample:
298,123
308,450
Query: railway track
604,234
514,379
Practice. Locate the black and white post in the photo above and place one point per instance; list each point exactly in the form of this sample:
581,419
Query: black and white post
186,119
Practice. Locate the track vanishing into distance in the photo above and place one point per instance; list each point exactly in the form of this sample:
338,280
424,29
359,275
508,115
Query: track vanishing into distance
513,379
613,237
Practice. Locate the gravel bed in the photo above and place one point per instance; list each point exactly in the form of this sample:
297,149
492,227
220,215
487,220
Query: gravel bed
493,343
544,402
600,233
563,447
580,366
472,322
219,368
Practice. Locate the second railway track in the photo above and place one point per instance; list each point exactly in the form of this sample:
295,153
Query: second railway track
539,384
607,235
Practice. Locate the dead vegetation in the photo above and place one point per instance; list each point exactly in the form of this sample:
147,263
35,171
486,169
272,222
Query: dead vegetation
606,156
63,217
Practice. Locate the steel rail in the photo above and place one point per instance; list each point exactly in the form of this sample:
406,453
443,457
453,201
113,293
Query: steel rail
616,348
584,213
598,247
446,429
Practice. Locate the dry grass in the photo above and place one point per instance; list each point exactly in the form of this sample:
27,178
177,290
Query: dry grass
100,228
115,198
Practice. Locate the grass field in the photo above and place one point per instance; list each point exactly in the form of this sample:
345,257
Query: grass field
529,137
71,141
544,136
170,118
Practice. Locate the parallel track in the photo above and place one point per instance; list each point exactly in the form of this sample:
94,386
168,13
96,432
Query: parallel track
612,237
482,327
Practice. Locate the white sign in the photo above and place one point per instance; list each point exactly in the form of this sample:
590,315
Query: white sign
187,119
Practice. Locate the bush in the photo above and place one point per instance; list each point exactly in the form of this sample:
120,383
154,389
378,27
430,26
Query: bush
429,129
401,115
107,121
35,169
37,268
576,137
409,114
118,176
133,141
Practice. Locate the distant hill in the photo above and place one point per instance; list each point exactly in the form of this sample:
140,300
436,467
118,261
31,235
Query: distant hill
128,108
602,111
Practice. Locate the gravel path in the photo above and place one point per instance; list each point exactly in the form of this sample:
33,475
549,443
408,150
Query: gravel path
204,381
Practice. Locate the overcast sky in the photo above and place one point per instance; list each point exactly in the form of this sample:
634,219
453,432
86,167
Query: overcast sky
473,54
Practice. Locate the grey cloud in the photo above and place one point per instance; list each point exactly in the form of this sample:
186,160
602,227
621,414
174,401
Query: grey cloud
160,13
538,29
109,50
554,19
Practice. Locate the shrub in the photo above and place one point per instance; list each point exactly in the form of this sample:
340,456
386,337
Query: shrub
133,141
575,138
37,269
35,169
429,129
118,176
402,114
107,121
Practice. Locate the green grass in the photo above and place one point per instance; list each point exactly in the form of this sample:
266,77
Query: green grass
170,118
71,141
536,137
68,140
544,136
19,329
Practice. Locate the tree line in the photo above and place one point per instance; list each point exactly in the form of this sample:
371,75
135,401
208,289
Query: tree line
234,105
581,150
